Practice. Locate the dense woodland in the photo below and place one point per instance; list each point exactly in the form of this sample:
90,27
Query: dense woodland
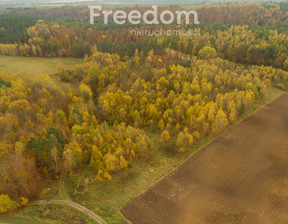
261,37
179,88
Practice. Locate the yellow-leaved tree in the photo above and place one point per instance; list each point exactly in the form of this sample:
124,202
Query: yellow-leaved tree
6,204
220,122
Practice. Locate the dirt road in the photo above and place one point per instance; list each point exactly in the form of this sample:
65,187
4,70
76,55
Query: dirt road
241,177
79,207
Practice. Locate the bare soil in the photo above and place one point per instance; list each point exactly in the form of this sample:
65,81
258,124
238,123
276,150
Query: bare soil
240,177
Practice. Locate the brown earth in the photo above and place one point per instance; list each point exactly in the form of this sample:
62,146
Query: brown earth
241,177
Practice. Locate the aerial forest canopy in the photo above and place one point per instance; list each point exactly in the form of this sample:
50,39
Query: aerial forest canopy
101,114
251,33
101,122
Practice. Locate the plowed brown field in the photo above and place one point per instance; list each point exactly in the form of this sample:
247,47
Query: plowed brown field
241,177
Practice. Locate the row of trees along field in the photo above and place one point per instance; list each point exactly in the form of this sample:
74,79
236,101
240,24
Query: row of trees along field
241,44
101,118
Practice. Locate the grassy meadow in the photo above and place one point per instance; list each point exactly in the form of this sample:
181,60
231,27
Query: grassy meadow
34,65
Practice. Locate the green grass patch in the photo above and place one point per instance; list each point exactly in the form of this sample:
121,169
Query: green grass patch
17,219
36,65
48,214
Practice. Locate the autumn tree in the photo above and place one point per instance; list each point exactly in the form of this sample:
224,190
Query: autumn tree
207,53
6,204
69,160
220,122
19,177
165,136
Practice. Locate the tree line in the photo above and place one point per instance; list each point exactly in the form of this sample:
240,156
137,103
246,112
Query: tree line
241,44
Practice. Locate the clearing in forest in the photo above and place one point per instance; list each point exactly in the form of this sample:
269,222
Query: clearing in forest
36,65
